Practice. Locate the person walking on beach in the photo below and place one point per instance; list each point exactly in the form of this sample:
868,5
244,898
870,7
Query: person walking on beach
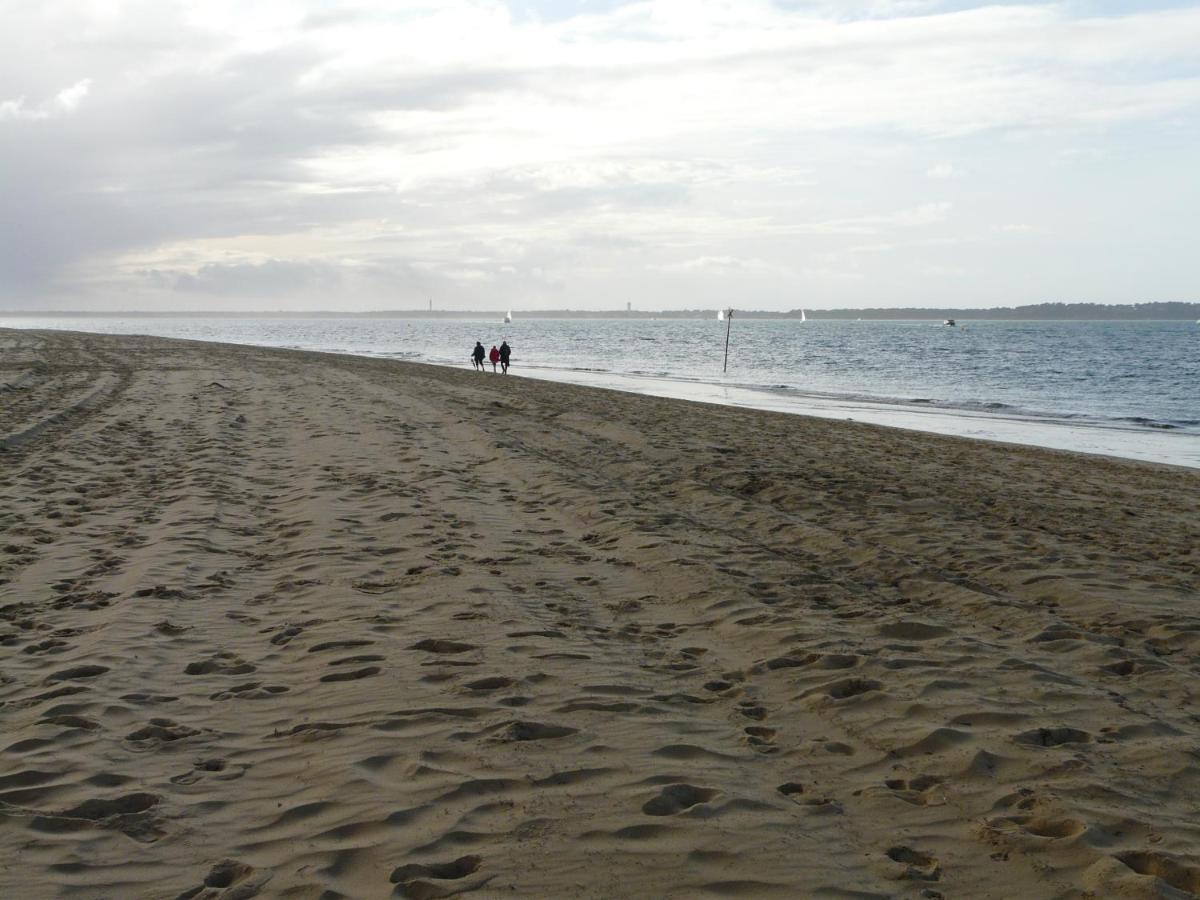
494,357
477,356
505,353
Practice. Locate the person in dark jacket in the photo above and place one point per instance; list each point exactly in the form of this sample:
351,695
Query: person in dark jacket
477,356
505,353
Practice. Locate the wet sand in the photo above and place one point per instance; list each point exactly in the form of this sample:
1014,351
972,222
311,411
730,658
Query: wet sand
302,625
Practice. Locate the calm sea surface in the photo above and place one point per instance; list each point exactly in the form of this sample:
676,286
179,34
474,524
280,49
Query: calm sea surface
1132,376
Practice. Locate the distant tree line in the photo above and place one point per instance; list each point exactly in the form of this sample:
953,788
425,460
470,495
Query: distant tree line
1068,311
1078,311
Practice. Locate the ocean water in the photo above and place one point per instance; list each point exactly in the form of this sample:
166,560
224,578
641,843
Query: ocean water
1123,388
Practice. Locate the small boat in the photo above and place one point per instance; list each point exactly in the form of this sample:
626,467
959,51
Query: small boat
950,322
720,315
803,317
508,317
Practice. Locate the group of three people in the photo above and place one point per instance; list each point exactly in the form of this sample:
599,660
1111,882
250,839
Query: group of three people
499,355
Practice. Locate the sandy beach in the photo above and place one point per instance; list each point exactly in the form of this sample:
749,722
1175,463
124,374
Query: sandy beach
286,624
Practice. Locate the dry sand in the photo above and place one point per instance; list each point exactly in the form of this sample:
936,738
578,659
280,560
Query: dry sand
313,626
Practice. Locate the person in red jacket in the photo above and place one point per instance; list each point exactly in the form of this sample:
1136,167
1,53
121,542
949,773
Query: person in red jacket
494,356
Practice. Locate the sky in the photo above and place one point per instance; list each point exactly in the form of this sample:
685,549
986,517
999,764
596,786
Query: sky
311,154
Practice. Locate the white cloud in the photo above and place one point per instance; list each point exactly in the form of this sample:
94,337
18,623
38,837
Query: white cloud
943,171
65,101
69,98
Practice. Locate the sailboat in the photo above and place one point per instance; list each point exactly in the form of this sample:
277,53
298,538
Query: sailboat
803,317
508,317
720,315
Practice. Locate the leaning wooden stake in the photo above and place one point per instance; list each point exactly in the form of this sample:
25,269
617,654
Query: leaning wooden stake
728,322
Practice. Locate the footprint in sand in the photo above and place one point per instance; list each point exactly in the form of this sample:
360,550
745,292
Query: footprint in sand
814,660
493,683
846,688
71,722
255,690
86,600
76,673
675,798
340,645
95,810
144,699
913,630
48,646
1052,737
752,710
223,663
1127,667
918,866
131,815
284,636
228,873
916,791
157,733
410,879
1159,865
349,660
761,738
533,731
1048,828
435,645
215,768
355,675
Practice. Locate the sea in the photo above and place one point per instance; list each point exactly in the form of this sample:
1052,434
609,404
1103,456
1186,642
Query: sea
1118,388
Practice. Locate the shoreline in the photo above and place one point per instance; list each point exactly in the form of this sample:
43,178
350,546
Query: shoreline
1145,445
1165,445
295,623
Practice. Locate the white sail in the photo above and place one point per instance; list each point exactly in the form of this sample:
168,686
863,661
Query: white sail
803,317
508,317
720,315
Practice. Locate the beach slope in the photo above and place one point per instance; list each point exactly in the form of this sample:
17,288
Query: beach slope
303,625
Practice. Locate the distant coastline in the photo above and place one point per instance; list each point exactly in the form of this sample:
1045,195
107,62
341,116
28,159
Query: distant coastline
1170,311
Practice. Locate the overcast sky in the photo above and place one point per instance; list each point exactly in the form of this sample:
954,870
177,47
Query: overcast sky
247,154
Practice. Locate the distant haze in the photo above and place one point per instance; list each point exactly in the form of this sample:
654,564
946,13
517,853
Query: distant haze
549,154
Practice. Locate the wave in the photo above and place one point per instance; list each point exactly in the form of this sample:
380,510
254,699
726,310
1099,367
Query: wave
1150,423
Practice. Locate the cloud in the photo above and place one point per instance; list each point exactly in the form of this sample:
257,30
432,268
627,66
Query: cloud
64,102
723,265
924,214
311,149
69,98
944,171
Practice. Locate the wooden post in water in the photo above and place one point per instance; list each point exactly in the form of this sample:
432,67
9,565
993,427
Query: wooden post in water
728,322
